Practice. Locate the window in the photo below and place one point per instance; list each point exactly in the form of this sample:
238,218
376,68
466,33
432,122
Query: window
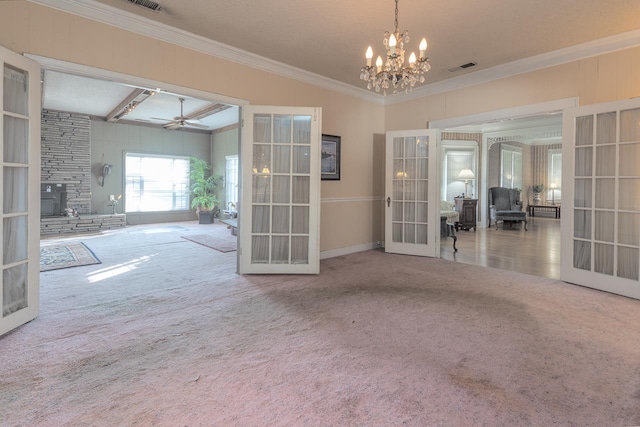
231,181
156,183
511,167
458,155
555,175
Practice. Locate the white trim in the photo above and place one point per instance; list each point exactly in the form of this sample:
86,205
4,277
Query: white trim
332,253
112,16
109,15
512,113
99,73
525,65
351,199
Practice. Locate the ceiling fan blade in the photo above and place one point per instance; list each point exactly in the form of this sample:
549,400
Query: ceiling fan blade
196,125
172,126
159,118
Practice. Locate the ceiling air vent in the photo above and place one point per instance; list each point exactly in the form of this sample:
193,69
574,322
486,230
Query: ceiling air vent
462,67
147,4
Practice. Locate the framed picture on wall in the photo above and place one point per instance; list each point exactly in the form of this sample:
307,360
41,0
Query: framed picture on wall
330,163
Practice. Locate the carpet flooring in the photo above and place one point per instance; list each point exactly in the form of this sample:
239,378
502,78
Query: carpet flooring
222,244
164,333
66,255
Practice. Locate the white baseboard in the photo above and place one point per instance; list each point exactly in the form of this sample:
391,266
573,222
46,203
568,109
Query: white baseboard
332,253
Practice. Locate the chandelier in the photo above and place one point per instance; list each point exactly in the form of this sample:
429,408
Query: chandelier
393,72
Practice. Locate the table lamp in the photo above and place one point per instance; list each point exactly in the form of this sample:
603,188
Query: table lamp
553,186
466,174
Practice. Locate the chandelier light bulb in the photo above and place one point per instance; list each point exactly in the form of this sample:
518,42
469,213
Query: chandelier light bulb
423,48
369,55
379,63
412,60
392,43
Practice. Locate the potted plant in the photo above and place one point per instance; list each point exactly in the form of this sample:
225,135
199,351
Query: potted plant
537,193
203,187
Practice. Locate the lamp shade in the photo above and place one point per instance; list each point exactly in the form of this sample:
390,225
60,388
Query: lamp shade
466,174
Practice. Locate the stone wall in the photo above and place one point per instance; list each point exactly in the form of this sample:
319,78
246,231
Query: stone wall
66,155
83,223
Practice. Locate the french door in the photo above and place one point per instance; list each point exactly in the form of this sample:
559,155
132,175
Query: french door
601,197
280,208
411,218
20,180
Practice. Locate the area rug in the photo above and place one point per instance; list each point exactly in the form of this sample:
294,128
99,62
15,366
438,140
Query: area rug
217,243
66,255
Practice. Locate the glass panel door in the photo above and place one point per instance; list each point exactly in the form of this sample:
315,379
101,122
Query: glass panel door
601,156
279,214
411,204
20,160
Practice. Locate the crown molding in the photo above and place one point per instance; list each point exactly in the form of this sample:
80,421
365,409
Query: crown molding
140,25
137,24
545,60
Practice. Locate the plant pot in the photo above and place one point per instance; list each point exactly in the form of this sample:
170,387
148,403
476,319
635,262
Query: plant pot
206,217
537,199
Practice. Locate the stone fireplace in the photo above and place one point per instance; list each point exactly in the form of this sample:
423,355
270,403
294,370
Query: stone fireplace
53,199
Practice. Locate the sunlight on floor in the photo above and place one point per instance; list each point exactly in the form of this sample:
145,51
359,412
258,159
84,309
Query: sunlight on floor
116,270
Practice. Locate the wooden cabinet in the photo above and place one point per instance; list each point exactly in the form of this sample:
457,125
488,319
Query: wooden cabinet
468,212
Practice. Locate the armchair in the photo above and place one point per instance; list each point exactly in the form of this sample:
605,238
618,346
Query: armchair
505,206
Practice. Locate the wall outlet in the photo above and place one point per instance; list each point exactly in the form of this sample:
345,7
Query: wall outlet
112,198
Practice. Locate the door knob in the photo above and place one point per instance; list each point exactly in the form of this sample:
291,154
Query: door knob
388,201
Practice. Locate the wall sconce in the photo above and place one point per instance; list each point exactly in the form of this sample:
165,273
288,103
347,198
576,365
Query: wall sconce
466,174
106,170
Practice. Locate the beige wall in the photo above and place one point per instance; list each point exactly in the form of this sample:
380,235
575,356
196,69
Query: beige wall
35,29
110,142
594,80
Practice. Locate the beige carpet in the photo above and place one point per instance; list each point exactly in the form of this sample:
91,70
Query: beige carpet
222,244
164,333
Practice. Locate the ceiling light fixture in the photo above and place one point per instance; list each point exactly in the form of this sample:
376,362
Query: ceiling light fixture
393,72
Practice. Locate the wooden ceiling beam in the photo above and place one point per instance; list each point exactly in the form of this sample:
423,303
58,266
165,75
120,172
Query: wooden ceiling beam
208,110
115,115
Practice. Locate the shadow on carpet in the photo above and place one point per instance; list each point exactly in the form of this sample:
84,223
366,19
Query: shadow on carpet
66,255
217,243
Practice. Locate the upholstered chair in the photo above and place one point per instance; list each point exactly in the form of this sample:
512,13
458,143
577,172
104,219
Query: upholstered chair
505,206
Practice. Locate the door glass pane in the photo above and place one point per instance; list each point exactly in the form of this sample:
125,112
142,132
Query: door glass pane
280,220
398,193
629,159
281,189
16,90
629,229
409,189
410,168
261,158
280,249
421,234
629,129
410,211
409,147
16,140
15,190
605,193
422,190
397,211
299,250
606,160
603,259
584,161
398,147
604,226
302,129
397,232
300,220
262,128
583,195
422,147
584,130
409,233
423,168
606,133
281,159
301,160
300,187
260,249
260,220
582,224
15,239
14,289
282,129
261,189
398,169
628,263
582,255
422,212
629,190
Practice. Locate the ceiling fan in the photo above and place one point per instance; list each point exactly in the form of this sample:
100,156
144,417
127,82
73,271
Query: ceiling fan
181,121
